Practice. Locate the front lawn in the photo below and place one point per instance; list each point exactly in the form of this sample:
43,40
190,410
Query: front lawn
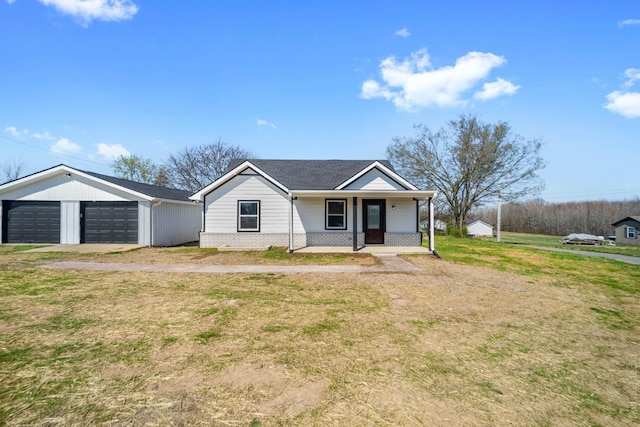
515,337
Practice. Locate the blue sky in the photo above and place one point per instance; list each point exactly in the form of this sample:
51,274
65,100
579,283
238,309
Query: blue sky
83,81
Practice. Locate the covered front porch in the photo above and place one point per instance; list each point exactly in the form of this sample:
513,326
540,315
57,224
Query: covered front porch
359,220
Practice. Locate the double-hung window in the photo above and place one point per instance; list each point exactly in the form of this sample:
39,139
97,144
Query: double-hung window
248,215
336,214
630,233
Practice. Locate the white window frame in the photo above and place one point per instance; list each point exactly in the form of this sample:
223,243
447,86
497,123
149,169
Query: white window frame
240,216
630,233
343,215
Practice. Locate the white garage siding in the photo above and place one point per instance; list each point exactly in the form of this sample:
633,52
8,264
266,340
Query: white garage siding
63,188
175,223
70,218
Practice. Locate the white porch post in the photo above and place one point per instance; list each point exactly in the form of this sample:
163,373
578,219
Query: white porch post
355,224
432,245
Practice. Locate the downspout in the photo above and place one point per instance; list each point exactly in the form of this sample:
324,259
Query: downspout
432,246
355,224
291,199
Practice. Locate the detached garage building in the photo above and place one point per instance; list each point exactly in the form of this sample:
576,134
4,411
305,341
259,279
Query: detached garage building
70,206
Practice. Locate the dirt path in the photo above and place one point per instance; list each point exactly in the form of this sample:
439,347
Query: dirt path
390,263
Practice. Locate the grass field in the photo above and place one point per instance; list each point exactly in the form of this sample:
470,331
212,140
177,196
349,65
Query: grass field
554,241
493,334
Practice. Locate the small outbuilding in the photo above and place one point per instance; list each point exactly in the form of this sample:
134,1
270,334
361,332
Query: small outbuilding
627,230
70,206
479,228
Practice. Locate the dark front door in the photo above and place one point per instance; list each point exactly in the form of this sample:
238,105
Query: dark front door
373,221
109,222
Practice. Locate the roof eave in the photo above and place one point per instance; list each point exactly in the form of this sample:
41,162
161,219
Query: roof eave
415,194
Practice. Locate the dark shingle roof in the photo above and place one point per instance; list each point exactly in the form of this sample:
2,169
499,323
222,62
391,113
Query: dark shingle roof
633,217
154,191
310,174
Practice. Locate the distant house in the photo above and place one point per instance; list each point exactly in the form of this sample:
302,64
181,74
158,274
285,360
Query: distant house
70,206
438,225
297,203
627,230
479,228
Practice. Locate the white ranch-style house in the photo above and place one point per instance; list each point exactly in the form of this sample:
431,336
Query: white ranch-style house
298,203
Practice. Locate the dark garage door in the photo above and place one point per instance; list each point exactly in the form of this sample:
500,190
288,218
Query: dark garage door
30,222
109,222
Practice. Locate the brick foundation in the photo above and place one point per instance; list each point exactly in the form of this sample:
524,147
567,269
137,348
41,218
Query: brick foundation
261,240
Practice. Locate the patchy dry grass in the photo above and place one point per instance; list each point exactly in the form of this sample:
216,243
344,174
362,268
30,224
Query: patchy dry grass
548,340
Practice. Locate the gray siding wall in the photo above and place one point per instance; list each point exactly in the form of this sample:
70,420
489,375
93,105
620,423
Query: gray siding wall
620,233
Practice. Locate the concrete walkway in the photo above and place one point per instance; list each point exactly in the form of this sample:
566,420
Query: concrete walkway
623,258
390,264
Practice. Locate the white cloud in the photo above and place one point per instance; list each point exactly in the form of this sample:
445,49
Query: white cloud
632,74
414,83
495,89
64,146
403,33
15,132
88,10
43,135
113,151
626,104
10,1
628,22
262,123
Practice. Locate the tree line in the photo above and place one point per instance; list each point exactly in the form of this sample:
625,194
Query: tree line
560,219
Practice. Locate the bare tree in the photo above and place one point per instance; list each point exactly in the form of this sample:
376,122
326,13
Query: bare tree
12,170
196,167
469,163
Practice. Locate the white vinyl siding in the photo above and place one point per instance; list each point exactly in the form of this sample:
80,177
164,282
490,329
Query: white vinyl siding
221,206
402,219
374,180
